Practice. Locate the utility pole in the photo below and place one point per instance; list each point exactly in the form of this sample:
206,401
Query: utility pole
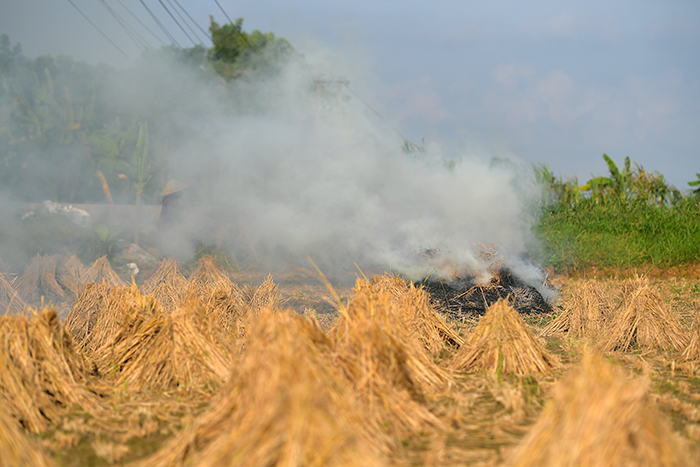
324,103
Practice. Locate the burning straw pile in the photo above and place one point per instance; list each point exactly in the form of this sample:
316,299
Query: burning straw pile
503,343
40,373
389,368
284,405
467,297
600,417
642,319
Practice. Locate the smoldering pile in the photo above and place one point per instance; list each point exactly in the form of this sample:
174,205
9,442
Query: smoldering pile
466,296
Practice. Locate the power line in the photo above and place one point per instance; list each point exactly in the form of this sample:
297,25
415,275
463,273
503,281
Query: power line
176,22
141,22
184,21
133,35
347,86
160,25
206,34
223,11
100,31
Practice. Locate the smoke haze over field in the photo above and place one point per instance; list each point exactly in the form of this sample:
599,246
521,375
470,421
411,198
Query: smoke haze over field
287,181
277,173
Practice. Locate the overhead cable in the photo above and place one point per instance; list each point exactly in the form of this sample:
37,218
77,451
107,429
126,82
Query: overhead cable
100,31
176,22
160,25
158,38
184,21
223,11
133,35
206,34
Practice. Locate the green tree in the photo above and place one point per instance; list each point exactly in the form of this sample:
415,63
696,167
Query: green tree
236,53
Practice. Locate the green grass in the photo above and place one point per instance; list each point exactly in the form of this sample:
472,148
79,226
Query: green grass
618,234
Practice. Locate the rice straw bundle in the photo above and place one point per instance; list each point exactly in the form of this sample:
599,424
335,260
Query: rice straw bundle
503,343
691,353
600,417
207,273
232,306
389,368
39,280
18,451
167,285
584,313
152,349
10,301
643,319
101,271
40,373
90,303
263,296
284,406
421,318
106,311
68,274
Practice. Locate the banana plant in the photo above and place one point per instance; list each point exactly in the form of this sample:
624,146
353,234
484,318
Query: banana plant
696,183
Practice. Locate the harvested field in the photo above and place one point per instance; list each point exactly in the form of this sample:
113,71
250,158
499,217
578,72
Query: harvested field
227,374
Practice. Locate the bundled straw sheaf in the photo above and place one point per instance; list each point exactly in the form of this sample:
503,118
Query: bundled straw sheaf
10,301
101,271
503,343
15,449
390,369
167,285
208,274
91,302
584,312
284,405
95,319
599,417
691,353
421,318
68,274
40,373
149,348
39,280
643,319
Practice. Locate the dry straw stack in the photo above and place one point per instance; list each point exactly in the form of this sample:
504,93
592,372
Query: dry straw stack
143,347
642,319
167,285
389,368
39,281
40,373
584,312
15,449
101,271
103,305
91,302
503,343
421,318
691,353
10,301
284,405
599,417
68,274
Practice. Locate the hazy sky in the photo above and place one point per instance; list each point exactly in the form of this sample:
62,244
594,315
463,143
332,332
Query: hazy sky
552,81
